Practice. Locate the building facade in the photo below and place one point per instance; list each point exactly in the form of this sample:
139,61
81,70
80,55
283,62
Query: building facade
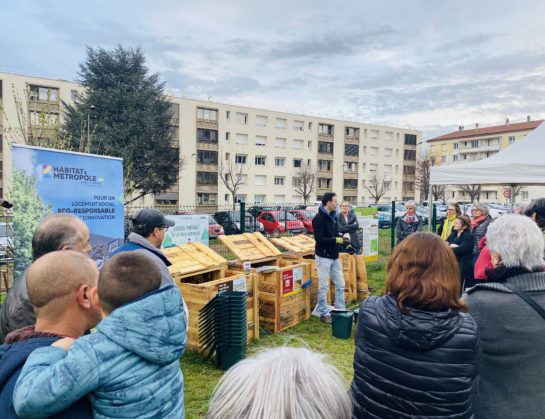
269,149
467,145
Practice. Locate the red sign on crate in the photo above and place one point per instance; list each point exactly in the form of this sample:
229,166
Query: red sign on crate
287,281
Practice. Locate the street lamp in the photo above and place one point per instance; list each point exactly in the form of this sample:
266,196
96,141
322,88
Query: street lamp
91,109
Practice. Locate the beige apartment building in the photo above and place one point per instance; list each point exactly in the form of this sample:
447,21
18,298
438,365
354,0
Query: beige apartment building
270,146
467,145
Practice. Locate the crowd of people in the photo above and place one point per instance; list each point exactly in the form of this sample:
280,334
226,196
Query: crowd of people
79,342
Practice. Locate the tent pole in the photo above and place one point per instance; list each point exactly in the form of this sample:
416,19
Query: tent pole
430,209
512,199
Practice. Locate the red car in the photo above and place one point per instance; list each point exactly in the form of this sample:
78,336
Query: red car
214,229
305,216
277,222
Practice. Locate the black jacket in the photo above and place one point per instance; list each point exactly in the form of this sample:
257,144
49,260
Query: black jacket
17,310
351,226
479,232
416,365
404,229
325,234
464,251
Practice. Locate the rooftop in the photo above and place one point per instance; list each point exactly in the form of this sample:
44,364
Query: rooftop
496,129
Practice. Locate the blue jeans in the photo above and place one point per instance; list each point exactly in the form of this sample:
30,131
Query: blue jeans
329,268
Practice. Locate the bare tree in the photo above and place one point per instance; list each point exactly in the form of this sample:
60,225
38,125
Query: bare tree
232,176
422,176
474,191
304,182
438,192
377,187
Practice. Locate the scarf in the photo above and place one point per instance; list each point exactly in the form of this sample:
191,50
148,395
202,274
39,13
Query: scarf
27,333
447,227
476,221
409,219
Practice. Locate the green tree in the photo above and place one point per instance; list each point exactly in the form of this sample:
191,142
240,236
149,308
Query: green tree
30,209
131,118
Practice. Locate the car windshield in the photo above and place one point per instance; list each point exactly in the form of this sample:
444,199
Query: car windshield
281,216
400,207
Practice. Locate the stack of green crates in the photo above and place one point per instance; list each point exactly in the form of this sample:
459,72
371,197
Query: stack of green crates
222,328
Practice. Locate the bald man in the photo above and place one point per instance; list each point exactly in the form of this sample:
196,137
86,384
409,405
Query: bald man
56,232
62,286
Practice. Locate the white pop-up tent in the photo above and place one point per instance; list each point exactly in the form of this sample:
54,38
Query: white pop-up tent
522,163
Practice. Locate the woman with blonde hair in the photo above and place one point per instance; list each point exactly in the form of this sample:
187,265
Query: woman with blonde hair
416,348
445,229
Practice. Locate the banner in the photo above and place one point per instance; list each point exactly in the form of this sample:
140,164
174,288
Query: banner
49,181
368,221
188,228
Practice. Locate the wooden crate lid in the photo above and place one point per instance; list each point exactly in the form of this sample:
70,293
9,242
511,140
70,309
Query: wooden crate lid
193,258
249,247
300,244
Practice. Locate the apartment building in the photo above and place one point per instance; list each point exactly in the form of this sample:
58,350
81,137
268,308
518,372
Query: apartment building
271,147
467,145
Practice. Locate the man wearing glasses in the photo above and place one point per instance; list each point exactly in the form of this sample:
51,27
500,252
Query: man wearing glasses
149,227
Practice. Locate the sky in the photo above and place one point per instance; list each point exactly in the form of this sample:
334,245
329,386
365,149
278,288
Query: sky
430,65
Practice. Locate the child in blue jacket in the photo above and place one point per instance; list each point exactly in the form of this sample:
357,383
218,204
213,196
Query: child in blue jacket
130,366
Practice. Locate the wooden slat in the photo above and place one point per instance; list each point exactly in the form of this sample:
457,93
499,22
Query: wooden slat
193,258
250,246
300,244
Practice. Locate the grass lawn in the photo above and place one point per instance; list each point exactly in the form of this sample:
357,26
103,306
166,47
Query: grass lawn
201,376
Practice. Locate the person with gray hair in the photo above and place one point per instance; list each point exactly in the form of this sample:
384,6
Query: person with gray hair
507,309
480,220
536,211
282,383
55,232
409,223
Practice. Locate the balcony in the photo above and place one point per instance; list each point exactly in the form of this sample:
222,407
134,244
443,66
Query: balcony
354,159
207,188
207,167
207,146
351,140
350,175
207,124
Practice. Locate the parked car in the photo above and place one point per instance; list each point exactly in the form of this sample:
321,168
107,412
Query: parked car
423,213
399,210
384,219
305,217
277,222
214,229
441,212
251,226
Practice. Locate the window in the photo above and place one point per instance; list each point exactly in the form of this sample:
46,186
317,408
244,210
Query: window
387,169
374,134
210,115
350,166
261,120
324,183
474,144
352,132
511,139
260,180
207,136
240,198
279,180
74,95
443,159
387,184
455,158
455,146
298,144
207,178
350,199
297,162
325,147
279,161
351,150
325,129
408,186
309,126
389,136
410,139
279,198
373,167
388,152
280,142
260,160
350,183
227,156
43,94
298,125
242,118
227,114
43,118
260,141
524,195
373,151
325,165
207,157
407,170
227,136
295,182
409,155
240,158
260,199
206,199
309,144
242,139
281,123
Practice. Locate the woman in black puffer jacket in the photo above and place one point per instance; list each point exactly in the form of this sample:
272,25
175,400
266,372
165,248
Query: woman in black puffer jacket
416,351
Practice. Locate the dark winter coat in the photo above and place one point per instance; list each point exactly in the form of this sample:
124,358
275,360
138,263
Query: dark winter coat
464,252
325,234
416,365
512,364
479,232
17,311
404,229
349,226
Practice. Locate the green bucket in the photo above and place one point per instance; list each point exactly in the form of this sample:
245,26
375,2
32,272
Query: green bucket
341,324
356,313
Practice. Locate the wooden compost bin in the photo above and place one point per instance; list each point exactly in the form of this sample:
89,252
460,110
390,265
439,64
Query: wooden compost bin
283,302
201,273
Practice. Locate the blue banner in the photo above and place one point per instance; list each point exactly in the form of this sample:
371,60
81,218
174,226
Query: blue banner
49,181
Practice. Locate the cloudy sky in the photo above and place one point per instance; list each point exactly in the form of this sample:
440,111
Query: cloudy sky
425,64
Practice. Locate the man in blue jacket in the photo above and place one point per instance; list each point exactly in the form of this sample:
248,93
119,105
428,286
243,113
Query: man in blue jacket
328,266
62,289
